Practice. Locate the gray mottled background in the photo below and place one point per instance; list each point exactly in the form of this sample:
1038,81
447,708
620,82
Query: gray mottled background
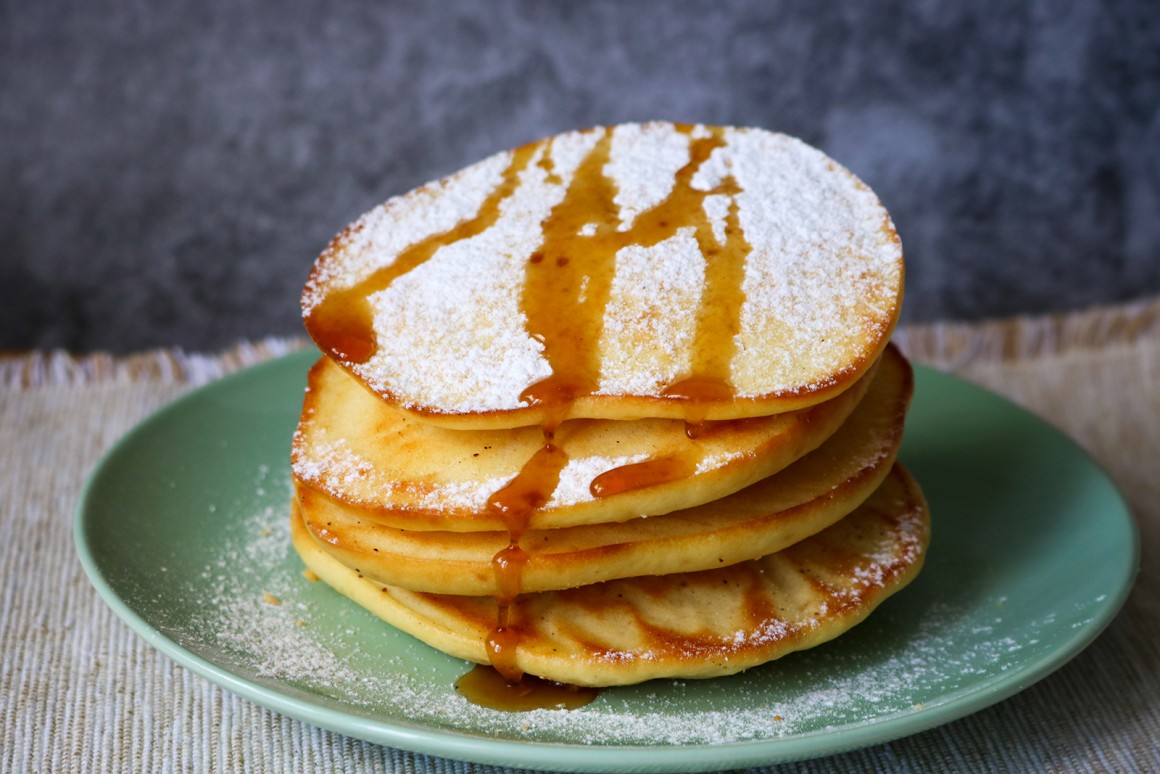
168,171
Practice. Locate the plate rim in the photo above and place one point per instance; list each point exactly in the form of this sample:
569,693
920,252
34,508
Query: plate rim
466,746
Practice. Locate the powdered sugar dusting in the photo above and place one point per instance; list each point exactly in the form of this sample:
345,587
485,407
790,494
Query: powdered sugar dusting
257,611
823,272
714,171
332,466
644,161
568,151
718,460
647,283
716,210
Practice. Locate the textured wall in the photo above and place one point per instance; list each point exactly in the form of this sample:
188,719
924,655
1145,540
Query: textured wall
170,170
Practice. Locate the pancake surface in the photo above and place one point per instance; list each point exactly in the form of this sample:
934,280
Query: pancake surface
636,271
765,517
684,625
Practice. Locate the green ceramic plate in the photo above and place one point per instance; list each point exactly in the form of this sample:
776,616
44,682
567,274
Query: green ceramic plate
183,530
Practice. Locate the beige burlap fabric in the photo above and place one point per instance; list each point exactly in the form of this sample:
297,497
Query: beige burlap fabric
80,692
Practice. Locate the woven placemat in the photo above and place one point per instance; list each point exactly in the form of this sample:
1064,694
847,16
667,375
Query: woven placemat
79,691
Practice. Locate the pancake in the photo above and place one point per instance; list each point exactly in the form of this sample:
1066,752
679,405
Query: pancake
612,406
627,272
765,517
685,625
406,473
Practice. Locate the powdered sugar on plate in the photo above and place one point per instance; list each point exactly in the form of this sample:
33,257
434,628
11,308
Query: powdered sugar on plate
271,623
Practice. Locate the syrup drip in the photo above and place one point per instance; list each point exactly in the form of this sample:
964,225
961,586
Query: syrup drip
718,322
639,475
508,567
501,648
488,688
514,504
695,430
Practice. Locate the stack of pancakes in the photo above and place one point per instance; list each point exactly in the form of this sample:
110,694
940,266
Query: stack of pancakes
612,406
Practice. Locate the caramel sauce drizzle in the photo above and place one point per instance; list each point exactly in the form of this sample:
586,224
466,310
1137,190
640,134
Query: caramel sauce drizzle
488,688
568,279
639,475
566,285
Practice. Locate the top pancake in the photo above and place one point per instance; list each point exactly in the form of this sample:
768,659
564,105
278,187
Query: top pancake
636,271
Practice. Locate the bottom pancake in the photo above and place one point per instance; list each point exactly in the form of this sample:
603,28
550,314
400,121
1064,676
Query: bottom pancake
685,625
